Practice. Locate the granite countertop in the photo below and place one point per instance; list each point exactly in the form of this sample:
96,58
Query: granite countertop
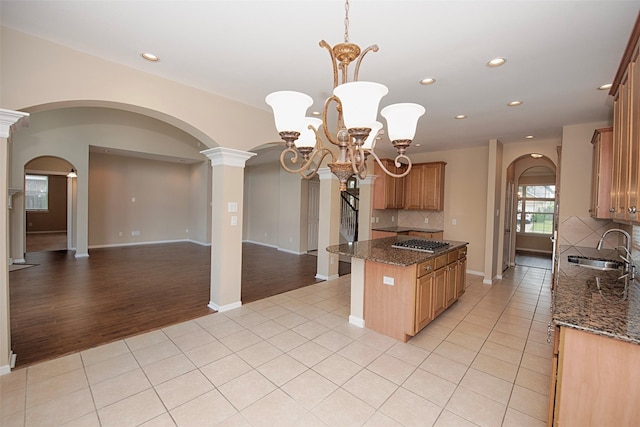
596,301
380,250
407,229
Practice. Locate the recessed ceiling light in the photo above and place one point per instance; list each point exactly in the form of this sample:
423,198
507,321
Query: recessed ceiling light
418,145
529,137
496,62
150,57
514,103
460,117
605,87
427,81
315,113
536,155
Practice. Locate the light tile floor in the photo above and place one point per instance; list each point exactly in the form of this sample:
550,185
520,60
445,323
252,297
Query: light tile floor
293,359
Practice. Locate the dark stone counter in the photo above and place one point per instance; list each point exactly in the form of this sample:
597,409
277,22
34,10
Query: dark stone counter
380,250
596,301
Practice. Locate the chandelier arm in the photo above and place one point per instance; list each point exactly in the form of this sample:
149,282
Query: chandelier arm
325,152
332,139
396,162
333,62
358,163
373,48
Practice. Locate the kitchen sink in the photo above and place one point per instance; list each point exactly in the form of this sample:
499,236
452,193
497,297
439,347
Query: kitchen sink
595,263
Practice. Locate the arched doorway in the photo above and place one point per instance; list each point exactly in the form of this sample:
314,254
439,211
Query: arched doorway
530,212
49,208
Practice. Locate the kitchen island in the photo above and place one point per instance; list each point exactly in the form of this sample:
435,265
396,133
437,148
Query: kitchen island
596,357
397,292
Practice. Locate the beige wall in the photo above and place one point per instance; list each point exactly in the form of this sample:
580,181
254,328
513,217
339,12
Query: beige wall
275,208
128,194
48,74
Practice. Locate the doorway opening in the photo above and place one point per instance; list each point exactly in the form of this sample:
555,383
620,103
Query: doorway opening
48,204
531,213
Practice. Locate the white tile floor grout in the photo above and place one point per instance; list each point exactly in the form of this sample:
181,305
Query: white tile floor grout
293,359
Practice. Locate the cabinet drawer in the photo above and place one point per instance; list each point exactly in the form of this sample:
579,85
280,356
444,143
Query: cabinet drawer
425,267
440,262
462,253
452,257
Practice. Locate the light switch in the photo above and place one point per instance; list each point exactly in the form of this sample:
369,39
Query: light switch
234,220
233,207
388,280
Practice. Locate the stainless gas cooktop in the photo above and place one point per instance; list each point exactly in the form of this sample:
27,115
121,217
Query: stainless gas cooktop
421,245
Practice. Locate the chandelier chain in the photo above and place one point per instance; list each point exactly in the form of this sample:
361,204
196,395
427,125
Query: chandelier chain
346,21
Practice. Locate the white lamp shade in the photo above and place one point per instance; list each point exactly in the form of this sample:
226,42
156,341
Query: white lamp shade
375,129
307,137
289,109
360,101
402,120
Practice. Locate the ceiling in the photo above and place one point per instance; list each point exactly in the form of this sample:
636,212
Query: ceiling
558,53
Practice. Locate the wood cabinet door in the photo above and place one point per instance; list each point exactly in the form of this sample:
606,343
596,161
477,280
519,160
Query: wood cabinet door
424,301
634,139
439,289
388,191
433,181
451,279
601,173
413,183
461,277
377,234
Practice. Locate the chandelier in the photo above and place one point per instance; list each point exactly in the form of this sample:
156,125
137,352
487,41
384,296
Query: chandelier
356,103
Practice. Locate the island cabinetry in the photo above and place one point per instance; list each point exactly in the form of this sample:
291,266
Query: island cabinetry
596,381
424,187
388,192
400,301
625,186
461,274
602,142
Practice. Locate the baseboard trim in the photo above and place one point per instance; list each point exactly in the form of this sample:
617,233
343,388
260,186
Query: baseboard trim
85,255
225,307
289,251
487,281
261,244
5,369
323,277
356,321
475,273
19,261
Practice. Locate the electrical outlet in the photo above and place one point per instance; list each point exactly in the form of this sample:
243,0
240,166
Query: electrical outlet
120,234
393,218
426,220
453,221
135,233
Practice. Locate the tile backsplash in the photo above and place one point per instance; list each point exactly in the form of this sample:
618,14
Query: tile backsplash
408,218
586,232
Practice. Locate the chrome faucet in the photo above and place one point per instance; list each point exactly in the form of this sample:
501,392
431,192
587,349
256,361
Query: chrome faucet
629,267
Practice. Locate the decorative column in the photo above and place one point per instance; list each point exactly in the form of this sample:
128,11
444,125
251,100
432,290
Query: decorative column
356,315
329,225
7,119
227,194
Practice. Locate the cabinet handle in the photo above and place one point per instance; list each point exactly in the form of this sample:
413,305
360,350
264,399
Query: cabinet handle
633,209
612,210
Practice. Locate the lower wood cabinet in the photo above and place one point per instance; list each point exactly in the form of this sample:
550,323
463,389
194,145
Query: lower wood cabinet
378,234
400,301
595,380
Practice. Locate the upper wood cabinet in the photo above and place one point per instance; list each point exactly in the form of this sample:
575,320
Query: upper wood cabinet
388,192
601,173
424,187
625,186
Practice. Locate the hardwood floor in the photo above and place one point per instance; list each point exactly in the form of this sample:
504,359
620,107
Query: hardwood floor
64,304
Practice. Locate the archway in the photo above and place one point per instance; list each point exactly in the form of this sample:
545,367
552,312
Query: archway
530,212
49,204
